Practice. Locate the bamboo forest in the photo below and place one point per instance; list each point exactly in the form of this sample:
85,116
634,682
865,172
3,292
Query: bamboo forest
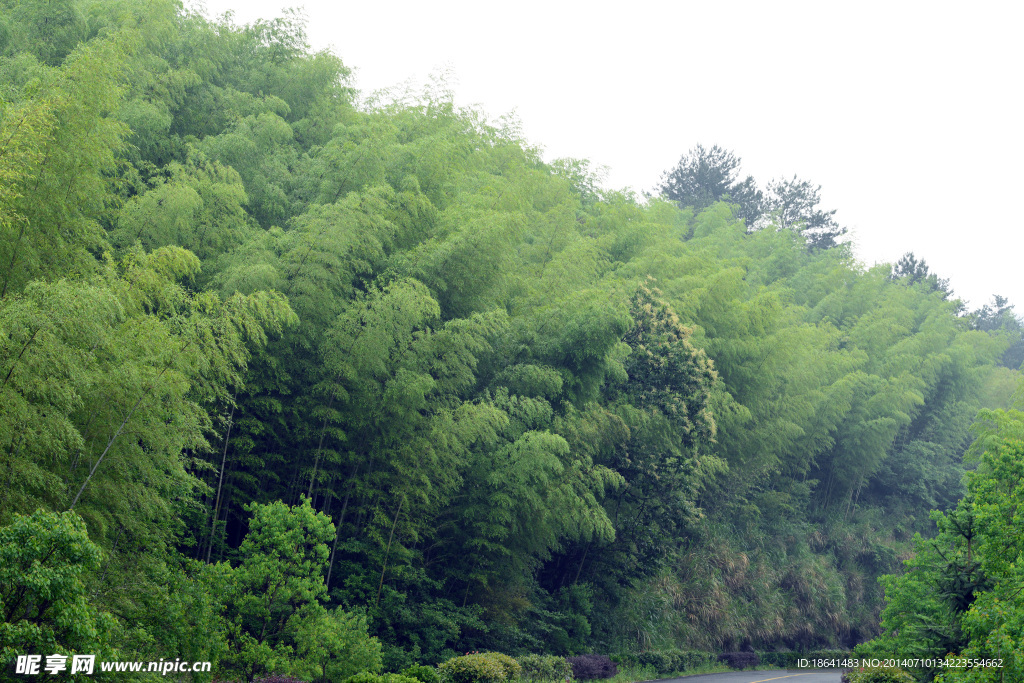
313,384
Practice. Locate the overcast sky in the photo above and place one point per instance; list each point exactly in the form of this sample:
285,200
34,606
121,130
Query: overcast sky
908,114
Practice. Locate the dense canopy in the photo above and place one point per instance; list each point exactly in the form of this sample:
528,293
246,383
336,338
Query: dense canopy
296,384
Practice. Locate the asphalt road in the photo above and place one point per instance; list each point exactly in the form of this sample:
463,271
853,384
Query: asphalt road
775,676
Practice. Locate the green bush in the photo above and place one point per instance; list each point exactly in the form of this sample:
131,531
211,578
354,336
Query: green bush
424,674
367,677
626,660
364,677
659,660
670,661
487,667
544,668
877,674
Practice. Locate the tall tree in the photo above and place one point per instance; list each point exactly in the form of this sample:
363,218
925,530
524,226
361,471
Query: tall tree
911,270
792,204
704,176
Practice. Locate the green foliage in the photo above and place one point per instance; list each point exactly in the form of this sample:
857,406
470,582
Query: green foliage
198,206
536,668
672,661
541,416
51,30
961,595
878,674
423,674
274,597
62,143
336,646
367,677
44,561
488,667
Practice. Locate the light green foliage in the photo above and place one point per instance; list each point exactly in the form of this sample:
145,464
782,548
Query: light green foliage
544,668
129,355
924,605
994,624
542,416
63,143
198,206
44,562
259,149
273,598
367,677
487,667
423,674
961,595
336,646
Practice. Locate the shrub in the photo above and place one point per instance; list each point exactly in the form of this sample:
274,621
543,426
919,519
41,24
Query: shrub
364,677
626,660
877,674
590,667
488,667
670,661
659,660
544,668
424,674
739,660
367,677
783,660
279,678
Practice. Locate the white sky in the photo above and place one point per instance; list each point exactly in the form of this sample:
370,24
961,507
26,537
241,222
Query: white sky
908,114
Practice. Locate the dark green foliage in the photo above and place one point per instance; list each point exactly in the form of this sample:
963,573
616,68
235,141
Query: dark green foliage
913,271
705,176
672,661
793,204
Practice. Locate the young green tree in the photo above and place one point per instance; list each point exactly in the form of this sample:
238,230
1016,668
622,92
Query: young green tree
44,561
276,588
